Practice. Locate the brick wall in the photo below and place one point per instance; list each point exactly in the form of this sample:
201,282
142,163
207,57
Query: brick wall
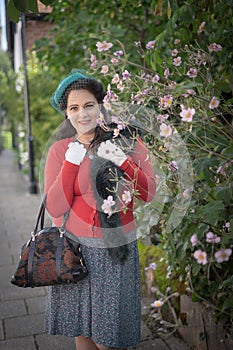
36,30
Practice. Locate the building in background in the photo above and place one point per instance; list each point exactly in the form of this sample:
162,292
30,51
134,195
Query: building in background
37,26
21,37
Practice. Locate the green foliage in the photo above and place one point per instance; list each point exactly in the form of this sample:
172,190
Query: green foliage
84,22
207,134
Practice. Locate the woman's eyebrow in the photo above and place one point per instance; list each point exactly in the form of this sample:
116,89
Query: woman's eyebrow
76,104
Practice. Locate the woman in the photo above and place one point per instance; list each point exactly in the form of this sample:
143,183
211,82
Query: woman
96,174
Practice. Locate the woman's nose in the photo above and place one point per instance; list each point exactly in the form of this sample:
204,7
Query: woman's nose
82,112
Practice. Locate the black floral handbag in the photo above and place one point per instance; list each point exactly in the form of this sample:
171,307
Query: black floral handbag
49,257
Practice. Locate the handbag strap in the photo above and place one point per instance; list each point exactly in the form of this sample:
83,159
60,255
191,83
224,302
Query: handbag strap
41,217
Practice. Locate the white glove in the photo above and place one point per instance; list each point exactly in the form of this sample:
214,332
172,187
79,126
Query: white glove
75,153
111,152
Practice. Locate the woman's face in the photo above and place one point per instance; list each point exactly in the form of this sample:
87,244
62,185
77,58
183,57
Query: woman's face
82,111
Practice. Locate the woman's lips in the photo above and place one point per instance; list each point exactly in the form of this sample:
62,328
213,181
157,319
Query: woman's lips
84,122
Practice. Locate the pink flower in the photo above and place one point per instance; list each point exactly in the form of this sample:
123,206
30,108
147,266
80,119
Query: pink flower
165,130
166,73
192,73
93,61
146,77
175,52
126,197
107,106
107,97
153,266
114,97
150,45
116,132
177,61
222,255
162,117
106,206
173,166
214,103
176,41
201,257
194,240
100,120
165,101
214,47
126,75
103,46
201,27
157,303
115,79
228,225
115,60
186,193
104,69
212,238
191,92
118,53
187,114
120,86
155,78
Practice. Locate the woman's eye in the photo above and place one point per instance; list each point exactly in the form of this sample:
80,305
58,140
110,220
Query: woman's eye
89,105
74,108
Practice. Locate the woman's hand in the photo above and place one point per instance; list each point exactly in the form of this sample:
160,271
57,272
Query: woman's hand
75,153
111,152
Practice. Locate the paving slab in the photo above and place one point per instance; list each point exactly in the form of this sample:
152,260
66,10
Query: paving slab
24,326
35,305
12,308
24,343
51,342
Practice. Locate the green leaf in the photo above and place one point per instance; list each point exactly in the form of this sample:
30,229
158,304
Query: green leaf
186,14
12,11
228,282
196,269
181,87
229,150
33,6
212,212
21,5
225,193
169,10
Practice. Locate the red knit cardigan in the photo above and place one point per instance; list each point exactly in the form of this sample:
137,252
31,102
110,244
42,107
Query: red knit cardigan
69,186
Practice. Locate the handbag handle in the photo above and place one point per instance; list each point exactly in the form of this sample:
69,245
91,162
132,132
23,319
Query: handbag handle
41,217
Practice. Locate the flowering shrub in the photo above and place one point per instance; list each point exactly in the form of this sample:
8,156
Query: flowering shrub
188,129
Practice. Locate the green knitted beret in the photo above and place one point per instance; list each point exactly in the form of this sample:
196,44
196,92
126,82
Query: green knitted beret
75,75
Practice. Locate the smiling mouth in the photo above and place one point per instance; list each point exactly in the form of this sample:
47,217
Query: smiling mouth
84,122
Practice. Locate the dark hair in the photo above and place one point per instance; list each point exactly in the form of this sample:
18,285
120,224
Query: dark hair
66,129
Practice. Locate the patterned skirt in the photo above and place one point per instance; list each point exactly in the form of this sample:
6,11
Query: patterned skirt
105,306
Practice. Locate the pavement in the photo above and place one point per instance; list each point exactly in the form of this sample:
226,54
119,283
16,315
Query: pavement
22,310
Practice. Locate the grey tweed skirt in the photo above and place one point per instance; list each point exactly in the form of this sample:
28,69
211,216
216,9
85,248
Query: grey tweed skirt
105,306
